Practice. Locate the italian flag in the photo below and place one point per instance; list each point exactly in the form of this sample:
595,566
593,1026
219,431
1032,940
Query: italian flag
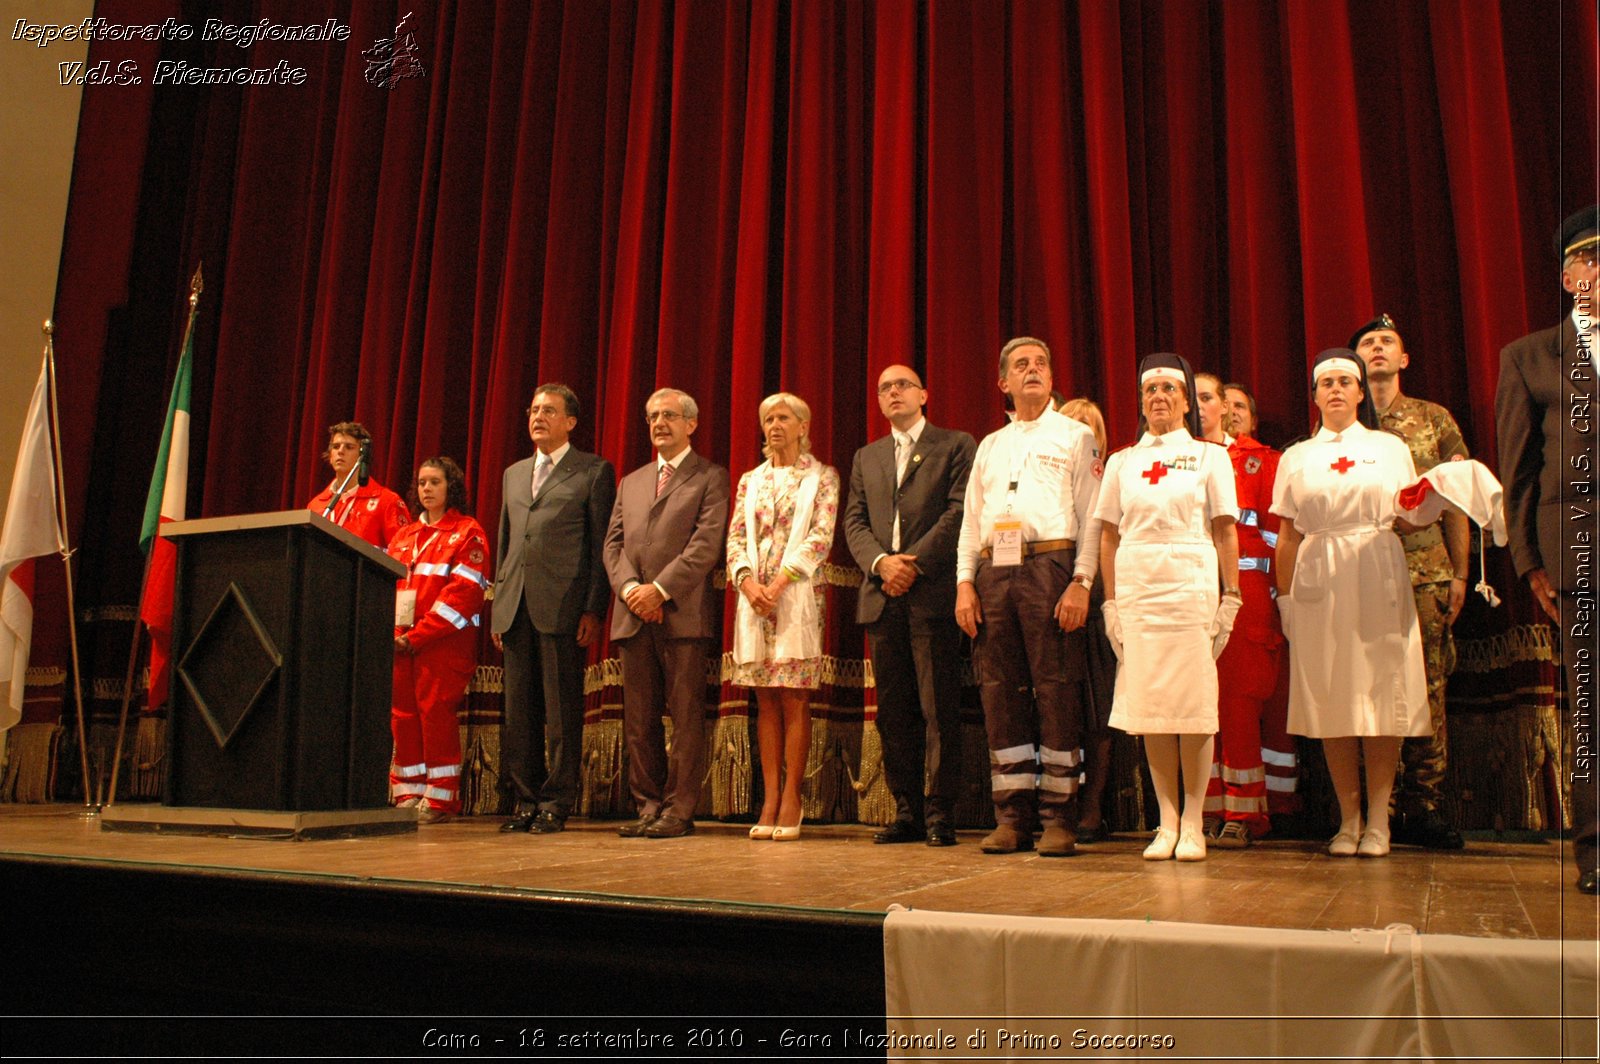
169,490
30,530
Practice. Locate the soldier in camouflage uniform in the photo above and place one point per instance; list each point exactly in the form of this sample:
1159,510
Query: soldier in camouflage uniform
1438,558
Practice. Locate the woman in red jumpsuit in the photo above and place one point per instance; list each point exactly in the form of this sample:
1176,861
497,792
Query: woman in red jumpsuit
435,640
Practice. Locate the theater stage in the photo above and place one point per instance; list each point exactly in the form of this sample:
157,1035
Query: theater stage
459,919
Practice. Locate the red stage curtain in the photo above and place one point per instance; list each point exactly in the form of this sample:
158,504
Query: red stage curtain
733,197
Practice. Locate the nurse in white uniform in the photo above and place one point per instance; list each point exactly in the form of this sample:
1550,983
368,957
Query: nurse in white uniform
1355,650
1170,557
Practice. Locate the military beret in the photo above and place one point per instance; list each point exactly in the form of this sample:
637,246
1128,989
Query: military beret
1382,321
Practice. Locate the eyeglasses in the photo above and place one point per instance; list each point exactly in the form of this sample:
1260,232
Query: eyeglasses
901,384
669,416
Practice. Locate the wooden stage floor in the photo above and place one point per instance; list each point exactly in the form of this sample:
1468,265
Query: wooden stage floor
1493,889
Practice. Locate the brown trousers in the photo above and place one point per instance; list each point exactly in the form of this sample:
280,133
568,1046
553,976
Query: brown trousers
1029,674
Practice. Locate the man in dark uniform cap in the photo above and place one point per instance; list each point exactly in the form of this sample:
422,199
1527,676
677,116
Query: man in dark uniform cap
1543,408
1438,557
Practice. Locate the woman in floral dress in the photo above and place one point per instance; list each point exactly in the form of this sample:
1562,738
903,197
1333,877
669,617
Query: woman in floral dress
781,530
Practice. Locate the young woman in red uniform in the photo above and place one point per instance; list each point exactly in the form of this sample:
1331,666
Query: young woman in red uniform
435,639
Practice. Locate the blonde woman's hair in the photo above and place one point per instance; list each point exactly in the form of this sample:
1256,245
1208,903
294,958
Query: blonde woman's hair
1086,411
797,406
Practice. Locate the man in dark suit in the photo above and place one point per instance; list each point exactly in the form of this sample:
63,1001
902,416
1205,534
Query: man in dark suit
550,597
901,521
1545,413
661,549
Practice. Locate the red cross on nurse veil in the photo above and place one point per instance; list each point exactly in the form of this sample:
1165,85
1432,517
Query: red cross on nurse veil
1154,473
1342,466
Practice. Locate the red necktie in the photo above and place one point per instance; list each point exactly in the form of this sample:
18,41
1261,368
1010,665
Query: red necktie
662,477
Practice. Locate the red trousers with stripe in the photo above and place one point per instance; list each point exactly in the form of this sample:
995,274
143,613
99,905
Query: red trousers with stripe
1248,679
429,690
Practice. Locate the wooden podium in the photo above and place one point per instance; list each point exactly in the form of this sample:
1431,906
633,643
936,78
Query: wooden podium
283,659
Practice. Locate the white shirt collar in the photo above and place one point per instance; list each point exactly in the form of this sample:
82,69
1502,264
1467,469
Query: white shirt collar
675,463
914,433
1176,438
1326,434
555,455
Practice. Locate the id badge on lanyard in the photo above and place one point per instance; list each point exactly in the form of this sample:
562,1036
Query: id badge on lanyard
405,607
1005,549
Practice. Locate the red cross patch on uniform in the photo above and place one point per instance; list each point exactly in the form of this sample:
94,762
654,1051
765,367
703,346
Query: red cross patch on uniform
1098,469
372,503
476,557
1252,465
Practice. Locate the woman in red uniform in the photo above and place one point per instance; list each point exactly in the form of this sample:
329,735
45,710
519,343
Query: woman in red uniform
435,639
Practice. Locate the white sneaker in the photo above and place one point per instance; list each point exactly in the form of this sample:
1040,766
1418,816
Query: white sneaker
1162,846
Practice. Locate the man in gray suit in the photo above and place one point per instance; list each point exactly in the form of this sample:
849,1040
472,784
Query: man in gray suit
1544,411
901,520
663,545
550,598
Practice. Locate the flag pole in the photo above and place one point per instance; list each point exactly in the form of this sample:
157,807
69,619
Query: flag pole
196,286
91,804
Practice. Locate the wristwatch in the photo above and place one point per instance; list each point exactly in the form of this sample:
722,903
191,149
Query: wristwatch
1086,581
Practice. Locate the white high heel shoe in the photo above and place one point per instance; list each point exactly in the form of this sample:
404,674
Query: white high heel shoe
787,834
763,831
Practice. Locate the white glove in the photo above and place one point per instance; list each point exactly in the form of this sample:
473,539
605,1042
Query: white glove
1285,611
1113,619
1222,623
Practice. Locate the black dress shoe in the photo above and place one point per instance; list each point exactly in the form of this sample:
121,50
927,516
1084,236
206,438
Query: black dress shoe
547,823
669,827
1589,882
941,834
1426,829
637,828
519,822
1098,833
899,831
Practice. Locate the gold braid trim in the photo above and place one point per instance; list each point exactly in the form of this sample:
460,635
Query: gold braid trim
30,774
729,770
147,775
117,612
45,676
829,793
1524,642
480,776
488,680
875,805
1499,762
602,768
602,674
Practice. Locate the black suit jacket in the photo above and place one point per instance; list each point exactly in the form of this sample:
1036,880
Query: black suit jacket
562,578
1545,415
929,500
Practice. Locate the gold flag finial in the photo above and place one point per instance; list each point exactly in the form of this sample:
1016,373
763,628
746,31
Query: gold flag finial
197,285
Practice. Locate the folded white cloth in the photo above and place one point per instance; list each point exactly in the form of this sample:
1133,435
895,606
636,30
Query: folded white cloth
1465,486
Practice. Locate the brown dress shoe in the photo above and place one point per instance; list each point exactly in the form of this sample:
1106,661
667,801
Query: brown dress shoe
1006,839
669,827
1057,841
637,828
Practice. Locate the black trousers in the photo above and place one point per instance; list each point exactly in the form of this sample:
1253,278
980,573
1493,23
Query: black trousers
916,664
543,718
